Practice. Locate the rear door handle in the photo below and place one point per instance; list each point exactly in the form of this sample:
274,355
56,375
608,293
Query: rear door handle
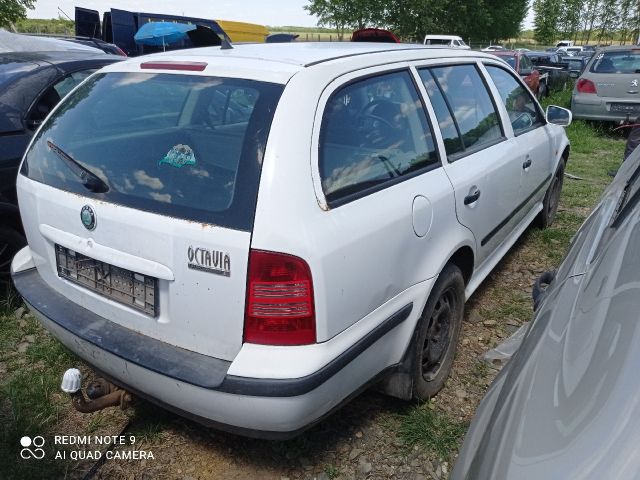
526,164
473,196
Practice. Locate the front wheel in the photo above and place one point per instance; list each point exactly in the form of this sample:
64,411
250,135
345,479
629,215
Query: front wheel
437,333
551,199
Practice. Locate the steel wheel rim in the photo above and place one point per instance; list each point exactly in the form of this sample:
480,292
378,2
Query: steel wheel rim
437,339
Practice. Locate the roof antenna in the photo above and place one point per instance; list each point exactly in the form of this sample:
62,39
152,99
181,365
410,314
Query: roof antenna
225,42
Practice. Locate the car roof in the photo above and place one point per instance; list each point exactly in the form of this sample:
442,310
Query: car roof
508,53
618,48
52,57
277,62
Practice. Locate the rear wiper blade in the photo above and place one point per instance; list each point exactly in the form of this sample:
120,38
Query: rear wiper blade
89,179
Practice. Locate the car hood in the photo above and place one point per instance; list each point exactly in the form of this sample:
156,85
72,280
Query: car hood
567,405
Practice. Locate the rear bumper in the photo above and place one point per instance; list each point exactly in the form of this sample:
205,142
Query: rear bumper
198,386
592,107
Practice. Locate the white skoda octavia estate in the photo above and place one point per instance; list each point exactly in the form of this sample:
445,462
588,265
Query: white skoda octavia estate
251,236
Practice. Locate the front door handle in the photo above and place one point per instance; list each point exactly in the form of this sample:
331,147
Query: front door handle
526,164
473,196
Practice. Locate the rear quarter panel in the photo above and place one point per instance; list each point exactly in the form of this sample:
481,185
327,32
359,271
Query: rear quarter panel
356,268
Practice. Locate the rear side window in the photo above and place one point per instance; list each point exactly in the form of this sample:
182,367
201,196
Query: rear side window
469,107
374,133
624,61
179,145
52,96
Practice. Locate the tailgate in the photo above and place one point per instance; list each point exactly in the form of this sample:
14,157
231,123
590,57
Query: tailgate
138,196
199,270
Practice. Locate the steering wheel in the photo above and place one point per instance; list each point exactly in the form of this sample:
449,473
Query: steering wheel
375,129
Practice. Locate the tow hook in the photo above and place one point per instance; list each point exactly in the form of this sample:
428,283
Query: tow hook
102,394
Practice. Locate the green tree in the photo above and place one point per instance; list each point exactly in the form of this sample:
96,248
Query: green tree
545,27
504,18
347,14
13,10
569,21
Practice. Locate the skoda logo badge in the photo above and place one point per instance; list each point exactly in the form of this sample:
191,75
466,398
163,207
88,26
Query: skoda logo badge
88,217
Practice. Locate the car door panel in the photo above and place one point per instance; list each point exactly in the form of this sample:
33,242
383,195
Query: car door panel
481,166
530,133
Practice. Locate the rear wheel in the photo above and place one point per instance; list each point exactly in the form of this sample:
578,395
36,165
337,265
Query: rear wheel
551,199
437,334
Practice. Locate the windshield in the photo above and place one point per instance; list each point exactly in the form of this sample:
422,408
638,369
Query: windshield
179,145
620,61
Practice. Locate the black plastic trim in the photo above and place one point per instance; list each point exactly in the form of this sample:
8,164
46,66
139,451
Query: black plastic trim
160,357
175,362
492,233
263,387
250,432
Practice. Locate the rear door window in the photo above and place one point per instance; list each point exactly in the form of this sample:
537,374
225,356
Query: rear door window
52,96
179,145
469,107
374,133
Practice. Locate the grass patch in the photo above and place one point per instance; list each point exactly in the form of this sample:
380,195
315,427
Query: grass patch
148,422
30,402
426,427
331,471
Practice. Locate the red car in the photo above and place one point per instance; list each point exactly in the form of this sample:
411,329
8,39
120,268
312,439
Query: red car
522,64
377,35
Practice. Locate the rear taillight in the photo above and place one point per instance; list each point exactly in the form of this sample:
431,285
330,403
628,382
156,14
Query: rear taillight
279,307
586,86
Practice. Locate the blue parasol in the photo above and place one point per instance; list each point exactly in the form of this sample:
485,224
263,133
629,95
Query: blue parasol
162,33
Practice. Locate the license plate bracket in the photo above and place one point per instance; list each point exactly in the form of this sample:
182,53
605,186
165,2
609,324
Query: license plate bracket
625,107
132,289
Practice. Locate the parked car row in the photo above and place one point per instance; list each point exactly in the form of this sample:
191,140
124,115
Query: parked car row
238,295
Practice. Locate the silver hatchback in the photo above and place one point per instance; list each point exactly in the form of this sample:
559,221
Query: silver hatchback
609,88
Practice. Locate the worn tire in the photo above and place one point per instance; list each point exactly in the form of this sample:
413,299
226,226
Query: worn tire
551,199
447,296
10,242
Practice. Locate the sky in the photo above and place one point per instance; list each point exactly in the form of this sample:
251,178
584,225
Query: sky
264,12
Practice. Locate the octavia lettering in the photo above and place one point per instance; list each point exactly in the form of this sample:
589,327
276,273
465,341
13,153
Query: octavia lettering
212,261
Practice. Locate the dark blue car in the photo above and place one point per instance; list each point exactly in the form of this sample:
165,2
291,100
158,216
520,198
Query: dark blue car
31,84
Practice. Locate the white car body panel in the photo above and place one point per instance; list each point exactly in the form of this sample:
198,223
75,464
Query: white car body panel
369,258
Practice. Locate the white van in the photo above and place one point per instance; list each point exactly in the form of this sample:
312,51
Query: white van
446,41
252,236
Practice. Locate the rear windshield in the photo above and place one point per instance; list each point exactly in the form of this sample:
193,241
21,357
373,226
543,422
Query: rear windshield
179,145
621,61
511,60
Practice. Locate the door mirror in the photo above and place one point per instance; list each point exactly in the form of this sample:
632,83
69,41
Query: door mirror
558,116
